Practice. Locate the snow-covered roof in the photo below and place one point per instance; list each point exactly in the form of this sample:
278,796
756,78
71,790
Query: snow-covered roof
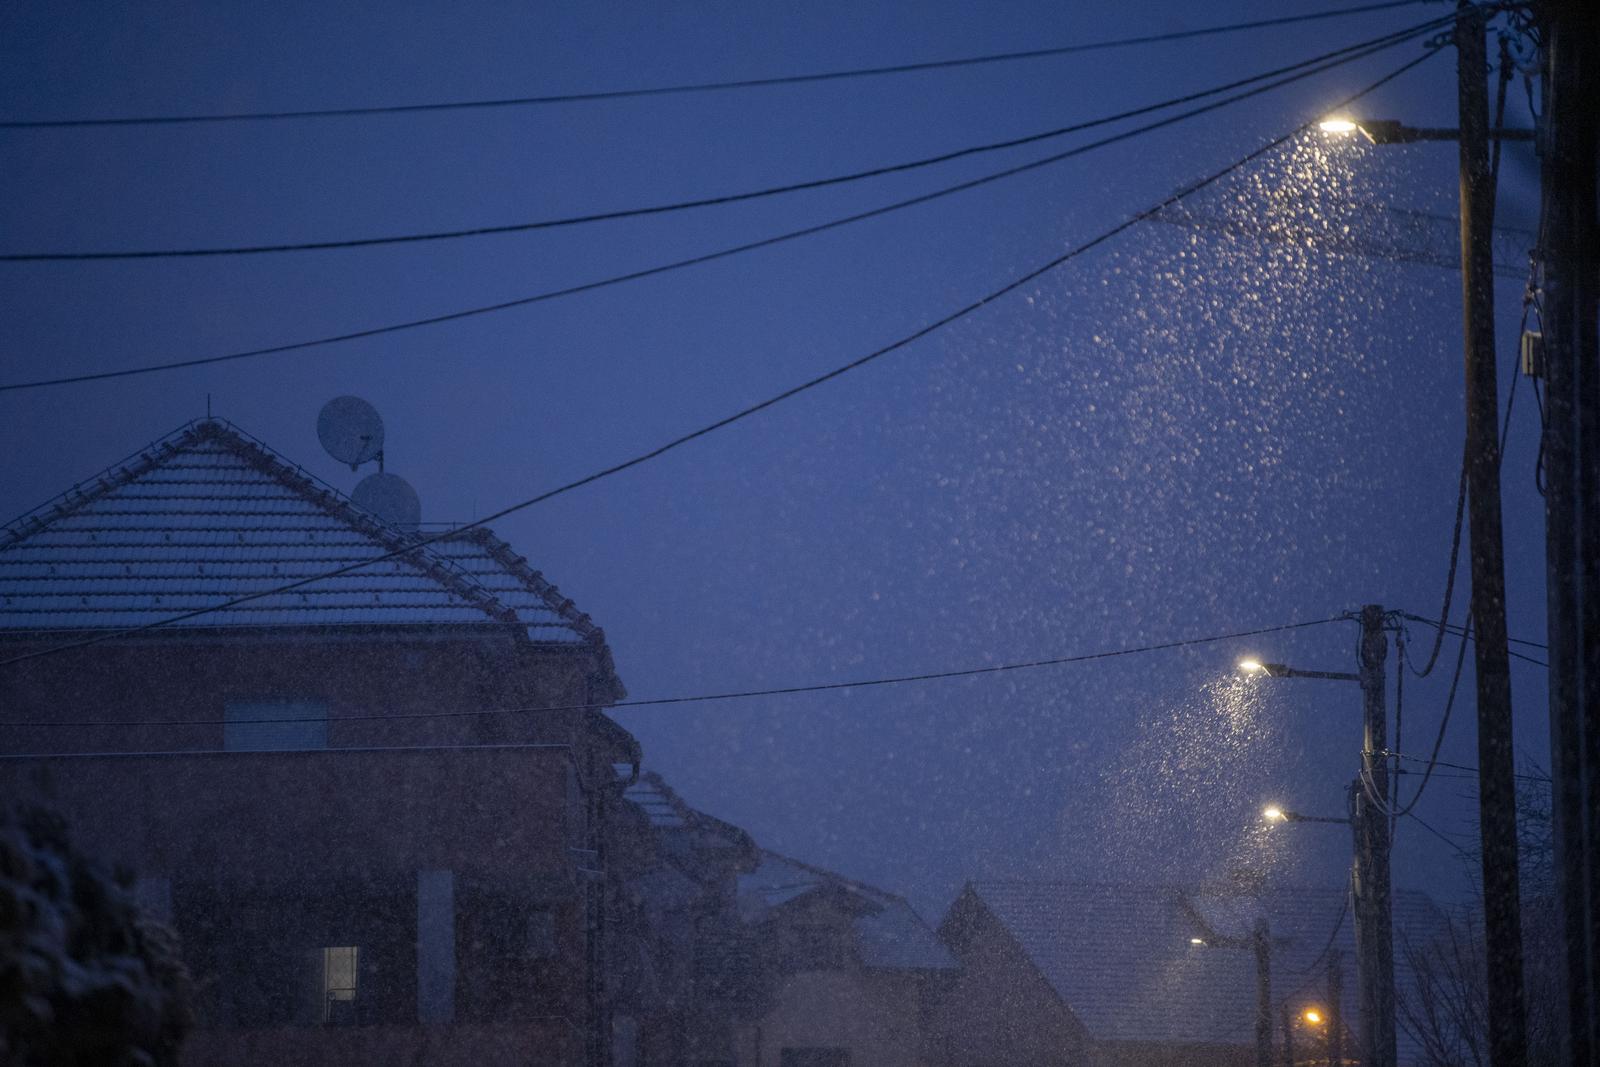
208,514
889,933
1122,957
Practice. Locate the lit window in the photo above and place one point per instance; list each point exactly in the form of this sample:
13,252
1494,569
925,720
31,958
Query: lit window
340,970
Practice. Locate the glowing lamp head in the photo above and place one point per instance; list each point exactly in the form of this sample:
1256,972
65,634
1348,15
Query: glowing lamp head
1337,125
1197,941
1251,666
1313,1016
1273,813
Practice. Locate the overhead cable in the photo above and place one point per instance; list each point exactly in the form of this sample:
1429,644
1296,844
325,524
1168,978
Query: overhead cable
1363,47
753,409
706,87
742,694
708,257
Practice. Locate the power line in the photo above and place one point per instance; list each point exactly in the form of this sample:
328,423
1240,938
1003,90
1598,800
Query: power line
743,694
723,253
760,406
711,201
1466,767
704,87
1460,631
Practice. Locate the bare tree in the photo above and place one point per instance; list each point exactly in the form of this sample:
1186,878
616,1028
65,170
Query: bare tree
1443,1007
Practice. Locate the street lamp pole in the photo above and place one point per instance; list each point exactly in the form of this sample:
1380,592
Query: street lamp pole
1369,821
1370,875
1497,799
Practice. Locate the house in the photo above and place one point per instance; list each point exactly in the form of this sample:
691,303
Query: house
1064,974
853,971
737,956
686,970
349,795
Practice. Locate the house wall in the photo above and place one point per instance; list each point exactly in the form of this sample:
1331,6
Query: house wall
998,1010
194,676
265,858
875,1015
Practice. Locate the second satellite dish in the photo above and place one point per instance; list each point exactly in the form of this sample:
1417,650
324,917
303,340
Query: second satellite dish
352,431
391,498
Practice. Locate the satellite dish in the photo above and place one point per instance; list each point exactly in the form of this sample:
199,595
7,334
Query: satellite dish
391,498
351,430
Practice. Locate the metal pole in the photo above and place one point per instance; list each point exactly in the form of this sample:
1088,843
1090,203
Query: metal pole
1336,1008
1571,295
1263,945
1497,800
1377,945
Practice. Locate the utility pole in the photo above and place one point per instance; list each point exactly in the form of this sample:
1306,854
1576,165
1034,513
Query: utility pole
1497,799
1261,939
1370,871
1288,1035
1571,291
1336,1008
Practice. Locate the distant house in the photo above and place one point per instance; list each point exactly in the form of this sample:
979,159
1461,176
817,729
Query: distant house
1070,974
854,971
686,976
741,957
343,795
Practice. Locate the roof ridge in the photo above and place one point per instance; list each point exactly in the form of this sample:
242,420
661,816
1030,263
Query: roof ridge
851,883
269,462
405,546
120,473
516,564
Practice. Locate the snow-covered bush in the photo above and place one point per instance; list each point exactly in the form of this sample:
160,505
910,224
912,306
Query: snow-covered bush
84,977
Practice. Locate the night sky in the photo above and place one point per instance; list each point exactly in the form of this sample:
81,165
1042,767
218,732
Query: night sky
1182,433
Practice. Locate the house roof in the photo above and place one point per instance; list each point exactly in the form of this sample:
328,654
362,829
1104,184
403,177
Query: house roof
1121,957
890,934
209,514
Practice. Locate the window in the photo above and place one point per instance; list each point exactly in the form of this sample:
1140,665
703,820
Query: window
815,1057
275,725
341,968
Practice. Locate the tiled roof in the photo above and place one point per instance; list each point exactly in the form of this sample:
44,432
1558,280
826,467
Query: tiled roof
889,933
208,514
1120,956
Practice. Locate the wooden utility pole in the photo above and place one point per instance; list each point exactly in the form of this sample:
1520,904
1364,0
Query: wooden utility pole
1370,872
1288,1035
1568,144
1497,795
1261,938
1335,1008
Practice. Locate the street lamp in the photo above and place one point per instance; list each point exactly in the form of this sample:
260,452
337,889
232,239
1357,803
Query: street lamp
1497,801
1312,1016
1283,670
1393,131
1273,813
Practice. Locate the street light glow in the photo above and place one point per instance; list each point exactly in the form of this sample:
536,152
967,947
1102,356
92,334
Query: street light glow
1337,125
1251,666
1313,1016
1272,813
1197,941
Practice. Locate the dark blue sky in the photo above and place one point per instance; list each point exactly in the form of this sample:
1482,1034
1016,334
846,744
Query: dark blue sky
1181,433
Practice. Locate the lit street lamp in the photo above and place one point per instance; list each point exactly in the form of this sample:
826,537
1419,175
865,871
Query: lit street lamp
1282,670
1393,131
1497,801
1273,813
